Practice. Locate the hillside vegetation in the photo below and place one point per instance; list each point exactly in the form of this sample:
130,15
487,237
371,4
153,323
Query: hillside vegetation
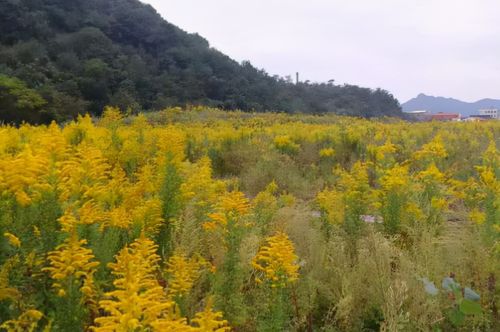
204,220
91,53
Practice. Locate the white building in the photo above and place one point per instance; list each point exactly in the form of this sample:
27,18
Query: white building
420,115
491,112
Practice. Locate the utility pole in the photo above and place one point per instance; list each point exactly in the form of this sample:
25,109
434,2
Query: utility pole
297,78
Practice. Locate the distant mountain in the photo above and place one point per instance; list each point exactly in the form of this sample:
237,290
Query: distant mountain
59,58
441,104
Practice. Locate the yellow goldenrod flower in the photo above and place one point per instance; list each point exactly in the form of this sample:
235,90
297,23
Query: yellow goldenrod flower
326,152
7,292
149,215
138,301
235,202
83,175
13,240
439,203
36,232
111,116
488,178
387,149
491,156
68,221
210,321
285,144
414,211
231,206
277,260
477,216
434,149
395,179
118,217
26,322
171,141
72,262
431,174
199,187
22,198
24,176
169,325
331,203
182,273
90,213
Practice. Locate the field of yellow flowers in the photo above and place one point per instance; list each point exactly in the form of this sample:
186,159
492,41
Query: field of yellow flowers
203,220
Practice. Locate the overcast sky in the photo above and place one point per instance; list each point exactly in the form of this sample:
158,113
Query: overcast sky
449,48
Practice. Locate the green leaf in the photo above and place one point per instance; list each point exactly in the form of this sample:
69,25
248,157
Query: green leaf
456,317
469,307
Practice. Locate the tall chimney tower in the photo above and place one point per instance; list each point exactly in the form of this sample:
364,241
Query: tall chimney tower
297,78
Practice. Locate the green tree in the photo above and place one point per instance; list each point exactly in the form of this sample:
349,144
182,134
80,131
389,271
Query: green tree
19,103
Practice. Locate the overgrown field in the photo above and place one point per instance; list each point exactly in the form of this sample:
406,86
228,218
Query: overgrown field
201,220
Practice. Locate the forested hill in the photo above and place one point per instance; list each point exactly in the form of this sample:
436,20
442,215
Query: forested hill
59,58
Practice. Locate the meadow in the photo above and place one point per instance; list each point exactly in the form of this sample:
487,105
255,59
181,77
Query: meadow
203,220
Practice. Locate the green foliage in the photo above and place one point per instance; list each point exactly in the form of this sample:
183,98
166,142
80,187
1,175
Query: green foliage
275,314
70,313
18,102
171,205
229,280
